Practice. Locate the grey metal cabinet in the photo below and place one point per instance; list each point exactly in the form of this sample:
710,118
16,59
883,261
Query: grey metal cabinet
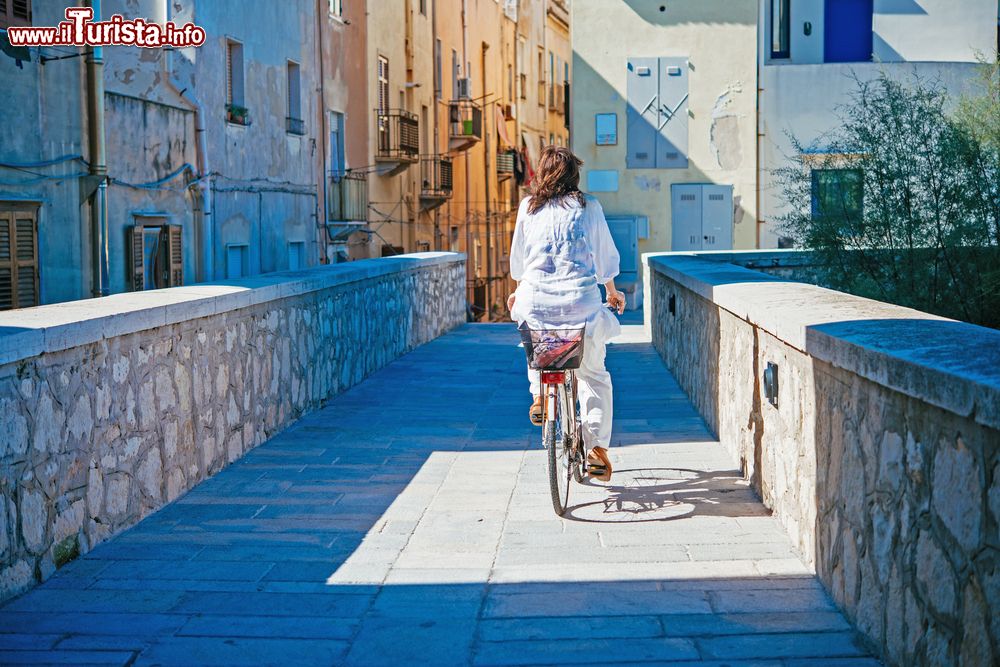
701,216
657,113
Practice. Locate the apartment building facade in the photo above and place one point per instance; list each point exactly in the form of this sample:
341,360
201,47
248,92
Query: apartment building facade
300,133
157,167
460,112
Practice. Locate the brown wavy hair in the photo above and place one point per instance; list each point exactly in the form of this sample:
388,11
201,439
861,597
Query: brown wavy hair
557,179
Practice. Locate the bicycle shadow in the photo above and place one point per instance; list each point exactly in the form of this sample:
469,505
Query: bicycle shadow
647,495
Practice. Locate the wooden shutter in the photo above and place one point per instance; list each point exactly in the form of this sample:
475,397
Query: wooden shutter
136,266
6,259
229,73
15,13
18,259
383,84
26,234
175,248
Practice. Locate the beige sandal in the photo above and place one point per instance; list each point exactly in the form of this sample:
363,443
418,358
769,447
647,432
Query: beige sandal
599,465
535,411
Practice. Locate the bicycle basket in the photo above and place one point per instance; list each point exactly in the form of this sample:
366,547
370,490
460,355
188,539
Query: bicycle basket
552,349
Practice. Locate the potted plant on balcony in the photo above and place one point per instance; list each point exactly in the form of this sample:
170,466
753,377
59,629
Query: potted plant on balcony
237,114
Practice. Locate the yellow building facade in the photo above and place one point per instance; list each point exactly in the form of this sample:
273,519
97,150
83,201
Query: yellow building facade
463,97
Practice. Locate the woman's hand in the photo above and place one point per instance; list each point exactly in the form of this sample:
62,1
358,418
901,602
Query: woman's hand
616,300
510,302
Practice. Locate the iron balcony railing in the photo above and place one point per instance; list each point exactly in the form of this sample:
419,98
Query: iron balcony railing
347,197
435,177
398,135
465,120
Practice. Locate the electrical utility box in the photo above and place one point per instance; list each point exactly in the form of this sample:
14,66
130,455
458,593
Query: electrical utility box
701,216
657,113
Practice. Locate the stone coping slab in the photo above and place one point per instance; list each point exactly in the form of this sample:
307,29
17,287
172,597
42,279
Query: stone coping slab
951,364
29,332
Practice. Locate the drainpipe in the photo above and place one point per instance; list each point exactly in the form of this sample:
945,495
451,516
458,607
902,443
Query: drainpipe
434,105
98,162
207,229
469,254
322,237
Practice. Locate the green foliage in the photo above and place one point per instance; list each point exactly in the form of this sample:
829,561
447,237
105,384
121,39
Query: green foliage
902,201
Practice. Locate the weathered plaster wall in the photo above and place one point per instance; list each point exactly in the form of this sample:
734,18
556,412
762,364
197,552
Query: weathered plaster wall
111,410
882,456
45,118
719,39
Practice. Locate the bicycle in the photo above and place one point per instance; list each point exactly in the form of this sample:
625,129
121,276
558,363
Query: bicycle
556,354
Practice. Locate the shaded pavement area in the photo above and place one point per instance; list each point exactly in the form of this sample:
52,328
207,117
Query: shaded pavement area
408,521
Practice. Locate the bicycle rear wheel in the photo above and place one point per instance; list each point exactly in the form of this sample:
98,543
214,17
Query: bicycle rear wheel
560,468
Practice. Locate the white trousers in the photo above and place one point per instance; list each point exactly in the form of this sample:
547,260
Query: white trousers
593,383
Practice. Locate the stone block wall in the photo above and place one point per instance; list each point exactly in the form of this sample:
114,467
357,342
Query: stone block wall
882,456
112,407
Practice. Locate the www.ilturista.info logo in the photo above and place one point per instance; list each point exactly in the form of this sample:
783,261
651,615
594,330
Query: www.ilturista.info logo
79,30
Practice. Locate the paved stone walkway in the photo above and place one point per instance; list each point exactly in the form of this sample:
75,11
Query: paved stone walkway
408,522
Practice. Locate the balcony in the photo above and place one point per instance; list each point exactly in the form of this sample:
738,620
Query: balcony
505,165
346,204
435,181
295,126
465,124
397,140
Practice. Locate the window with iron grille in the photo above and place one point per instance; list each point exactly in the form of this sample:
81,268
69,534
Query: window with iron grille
156,254
18,256
15,13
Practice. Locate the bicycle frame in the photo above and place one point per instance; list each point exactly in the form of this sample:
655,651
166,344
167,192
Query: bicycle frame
560,399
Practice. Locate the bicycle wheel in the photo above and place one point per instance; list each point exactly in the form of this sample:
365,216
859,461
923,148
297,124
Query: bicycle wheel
560,471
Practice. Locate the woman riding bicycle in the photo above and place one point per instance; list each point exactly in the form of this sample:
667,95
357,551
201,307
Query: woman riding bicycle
562,249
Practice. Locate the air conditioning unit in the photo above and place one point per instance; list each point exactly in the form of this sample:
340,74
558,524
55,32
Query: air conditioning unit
465,88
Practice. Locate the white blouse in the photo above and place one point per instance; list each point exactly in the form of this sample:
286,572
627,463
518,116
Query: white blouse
559,255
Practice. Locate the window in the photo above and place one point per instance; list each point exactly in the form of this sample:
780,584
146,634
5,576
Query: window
455,71
423,7
336,8
541,77
780,28
235,104
18,255
296,255
837,193
156,253
294,123
425,127
438,82
336,154
15,12
237,260
383,84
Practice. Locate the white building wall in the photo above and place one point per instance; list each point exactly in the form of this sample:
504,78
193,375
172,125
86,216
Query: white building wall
799,96
903,30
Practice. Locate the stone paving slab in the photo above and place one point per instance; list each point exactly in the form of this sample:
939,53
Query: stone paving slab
409,522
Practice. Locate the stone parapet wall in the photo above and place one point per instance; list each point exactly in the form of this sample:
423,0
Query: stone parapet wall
881,457
112,407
